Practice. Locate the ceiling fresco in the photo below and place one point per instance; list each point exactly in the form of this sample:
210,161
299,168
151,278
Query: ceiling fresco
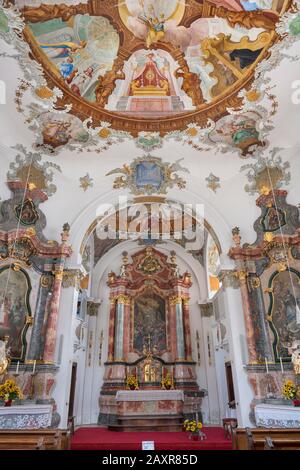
195,71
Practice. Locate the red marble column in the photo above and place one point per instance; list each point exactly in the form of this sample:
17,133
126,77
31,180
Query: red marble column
50,343
248,320
187,329
111,329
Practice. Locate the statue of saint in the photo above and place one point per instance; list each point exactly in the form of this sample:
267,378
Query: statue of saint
190,84
107,83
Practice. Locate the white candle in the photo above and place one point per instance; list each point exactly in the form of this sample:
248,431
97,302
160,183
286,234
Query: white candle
17,369
34,366
267,368
281,365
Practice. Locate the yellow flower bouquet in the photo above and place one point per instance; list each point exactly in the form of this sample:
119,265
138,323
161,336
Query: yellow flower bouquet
10,391
132,382
192,425
290,390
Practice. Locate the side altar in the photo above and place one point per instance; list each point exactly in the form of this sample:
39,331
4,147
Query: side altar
149,341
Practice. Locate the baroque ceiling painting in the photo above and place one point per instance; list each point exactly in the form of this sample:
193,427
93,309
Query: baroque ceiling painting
189,70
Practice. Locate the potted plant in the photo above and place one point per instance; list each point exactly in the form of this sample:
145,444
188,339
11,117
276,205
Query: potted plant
9,391
291,391
194,427
132,383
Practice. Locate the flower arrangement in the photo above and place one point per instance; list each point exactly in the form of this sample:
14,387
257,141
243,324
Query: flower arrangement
290,390
132,382
10,391
193,426
167,382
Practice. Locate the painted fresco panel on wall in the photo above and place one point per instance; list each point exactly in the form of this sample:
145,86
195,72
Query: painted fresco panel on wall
15,288
149,323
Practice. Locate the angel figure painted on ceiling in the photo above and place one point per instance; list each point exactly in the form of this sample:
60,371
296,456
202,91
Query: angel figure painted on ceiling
155,21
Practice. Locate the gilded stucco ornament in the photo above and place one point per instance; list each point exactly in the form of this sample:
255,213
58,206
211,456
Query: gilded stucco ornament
149,175
86,182
267,174
213,182
29,168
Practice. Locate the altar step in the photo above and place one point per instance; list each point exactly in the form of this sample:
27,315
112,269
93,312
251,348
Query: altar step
167,423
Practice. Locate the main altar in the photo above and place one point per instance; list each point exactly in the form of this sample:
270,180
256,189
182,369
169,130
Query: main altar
150,343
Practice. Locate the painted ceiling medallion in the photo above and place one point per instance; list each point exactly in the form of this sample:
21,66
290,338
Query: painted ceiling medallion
148,65
149,175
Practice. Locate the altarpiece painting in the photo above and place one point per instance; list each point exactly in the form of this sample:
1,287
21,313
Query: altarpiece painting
284,313
15,311
149,323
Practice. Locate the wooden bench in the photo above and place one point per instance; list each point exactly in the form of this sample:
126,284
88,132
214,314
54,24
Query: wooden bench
281,444
42,439
255,438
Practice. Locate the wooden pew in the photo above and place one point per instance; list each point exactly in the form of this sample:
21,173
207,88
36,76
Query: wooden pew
255,438
281,444
52,439
16,444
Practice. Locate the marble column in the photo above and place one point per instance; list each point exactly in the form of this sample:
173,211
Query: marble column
253,357
36,341
180,331
187,329
126,331
119,331
50,342
172,328
111,329
256,301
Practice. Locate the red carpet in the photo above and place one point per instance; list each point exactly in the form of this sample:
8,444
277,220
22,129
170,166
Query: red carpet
101,439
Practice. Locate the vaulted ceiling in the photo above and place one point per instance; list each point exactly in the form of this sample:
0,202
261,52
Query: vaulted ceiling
93,86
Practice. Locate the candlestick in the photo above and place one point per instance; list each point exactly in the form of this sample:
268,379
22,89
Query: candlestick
281,365
17,369
267,368
34,366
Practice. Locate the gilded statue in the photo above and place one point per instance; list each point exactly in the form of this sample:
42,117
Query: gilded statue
190,84
107,83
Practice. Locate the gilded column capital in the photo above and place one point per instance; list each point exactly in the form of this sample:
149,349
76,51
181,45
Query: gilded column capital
121,299
230,278
92,308
207,309
175,299
71,278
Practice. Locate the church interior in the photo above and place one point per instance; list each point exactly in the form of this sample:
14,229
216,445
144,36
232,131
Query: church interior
149,225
